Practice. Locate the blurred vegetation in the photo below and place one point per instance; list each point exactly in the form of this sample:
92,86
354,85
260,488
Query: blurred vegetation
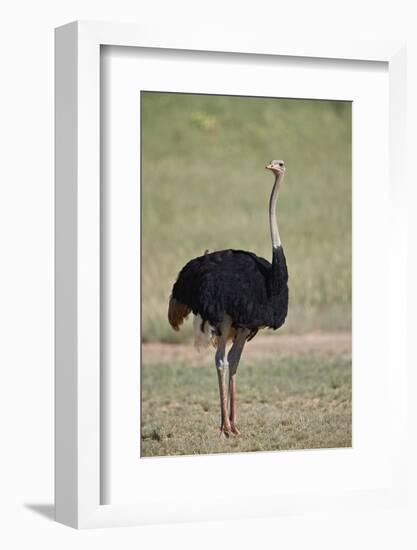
204,186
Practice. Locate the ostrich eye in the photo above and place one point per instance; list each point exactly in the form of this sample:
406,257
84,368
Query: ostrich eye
281,164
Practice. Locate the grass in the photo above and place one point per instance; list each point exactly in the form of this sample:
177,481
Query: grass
204,186
294,402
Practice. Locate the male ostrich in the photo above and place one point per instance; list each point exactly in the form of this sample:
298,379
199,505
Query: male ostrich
233,294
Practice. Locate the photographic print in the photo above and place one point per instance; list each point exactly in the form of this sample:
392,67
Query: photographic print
246,218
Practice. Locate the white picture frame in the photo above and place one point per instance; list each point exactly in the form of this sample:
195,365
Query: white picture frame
78,406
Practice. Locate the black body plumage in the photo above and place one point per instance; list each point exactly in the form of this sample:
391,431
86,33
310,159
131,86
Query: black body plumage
251,290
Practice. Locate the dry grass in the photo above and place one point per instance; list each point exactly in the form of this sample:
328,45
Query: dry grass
286,401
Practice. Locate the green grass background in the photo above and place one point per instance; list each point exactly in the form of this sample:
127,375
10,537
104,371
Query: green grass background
204,185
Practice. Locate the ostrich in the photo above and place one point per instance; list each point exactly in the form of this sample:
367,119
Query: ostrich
233,294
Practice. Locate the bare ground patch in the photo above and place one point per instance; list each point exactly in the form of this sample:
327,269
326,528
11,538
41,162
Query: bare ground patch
310,344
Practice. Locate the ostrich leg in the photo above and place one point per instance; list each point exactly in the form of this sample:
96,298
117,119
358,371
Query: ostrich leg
221,366
233,359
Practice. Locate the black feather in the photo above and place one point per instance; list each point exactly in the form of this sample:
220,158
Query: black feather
251,290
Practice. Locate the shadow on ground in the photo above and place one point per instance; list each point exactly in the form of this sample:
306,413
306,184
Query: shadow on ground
45,510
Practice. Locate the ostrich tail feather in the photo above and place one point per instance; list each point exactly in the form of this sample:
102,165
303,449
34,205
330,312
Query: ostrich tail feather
177,313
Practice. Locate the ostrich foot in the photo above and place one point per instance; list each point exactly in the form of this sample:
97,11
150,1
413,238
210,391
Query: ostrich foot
230,430
226,430
235,430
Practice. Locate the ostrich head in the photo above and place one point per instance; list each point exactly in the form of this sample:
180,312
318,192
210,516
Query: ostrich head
277,166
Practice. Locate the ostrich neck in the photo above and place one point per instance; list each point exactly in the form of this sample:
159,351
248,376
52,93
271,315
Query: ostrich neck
276,241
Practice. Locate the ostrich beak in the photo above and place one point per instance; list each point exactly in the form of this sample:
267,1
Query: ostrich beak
269,167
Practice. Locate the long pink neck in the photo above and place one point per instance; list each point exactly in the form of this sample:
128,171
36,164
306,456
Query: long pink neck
275,238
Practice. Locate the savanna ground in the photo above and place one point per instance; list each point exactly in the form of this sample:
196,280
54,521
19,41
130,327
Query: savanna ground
294,392
204,186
